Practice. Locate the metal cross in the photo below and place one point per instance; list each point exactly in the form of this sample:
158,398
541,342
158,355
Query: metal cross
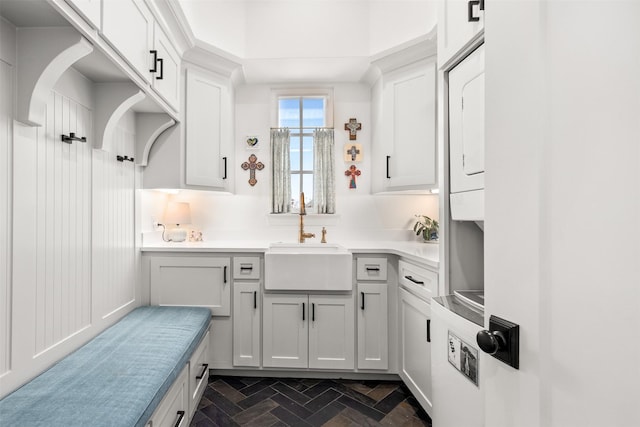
352,172
353,151
353,126
252,165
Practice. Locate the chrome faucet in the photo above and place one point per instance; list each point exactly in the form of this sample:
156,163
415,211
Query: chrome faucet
303,211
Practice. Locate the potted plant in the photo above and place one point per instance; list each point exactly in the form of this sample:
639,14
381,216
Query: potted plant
427,228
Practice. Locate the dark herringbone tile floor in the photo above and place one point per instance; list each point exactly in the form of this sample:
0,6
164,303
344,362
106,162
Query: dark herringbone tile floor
236,401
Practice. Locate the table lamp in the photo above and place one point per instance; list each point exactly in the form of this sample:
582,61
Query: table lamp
177,213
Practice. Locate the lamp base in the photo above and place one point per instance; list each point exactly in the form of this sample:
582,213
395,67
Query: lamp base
177,234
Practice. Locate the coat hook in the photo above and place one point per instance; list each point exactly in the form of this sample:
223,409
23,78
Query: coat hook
72,137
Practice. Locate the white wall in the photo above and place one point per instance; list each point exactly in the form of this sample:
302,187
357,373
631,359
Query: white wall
245,215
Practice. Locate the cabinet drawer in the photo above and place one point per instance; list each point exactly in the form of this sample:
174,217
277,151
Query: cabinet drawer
198,372
246,267
418,280
374,268
173,410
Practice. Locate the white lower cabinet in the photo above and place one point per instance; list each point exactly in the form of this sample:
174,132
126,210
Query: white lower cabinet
198,373
246,324
308,331
373,350
192,281
173,410
415,347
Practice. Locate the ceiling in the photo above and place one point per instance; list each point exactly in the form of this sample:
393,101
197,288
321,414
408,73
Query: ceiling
298,41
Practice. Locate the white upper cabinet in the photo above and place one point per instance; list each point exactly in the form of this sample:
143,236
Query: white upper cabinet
128,26
409,105
90,10
208,129
459,22
466,136
166,68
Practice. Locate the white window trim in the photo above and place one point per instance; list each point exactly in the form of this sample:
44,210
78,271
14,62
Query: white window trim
326,92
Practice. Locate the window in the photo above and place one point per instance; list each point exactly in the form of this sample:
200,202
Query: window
302,114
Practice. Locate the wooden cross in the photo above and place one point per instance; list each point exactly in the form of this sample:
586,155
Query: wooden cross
253,164
352,172
353,126
353,151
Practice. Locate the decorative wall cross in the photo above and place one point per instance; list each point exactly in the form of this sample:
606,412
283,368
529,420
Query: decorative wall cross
353,151
353,126
253,164
352,172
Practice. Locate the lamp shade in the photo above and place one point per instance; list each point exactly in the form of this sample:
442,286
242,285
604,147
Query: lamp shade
178,213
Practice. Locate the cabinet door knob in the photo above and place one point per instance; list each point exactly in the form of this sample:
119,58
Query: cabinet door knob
491,341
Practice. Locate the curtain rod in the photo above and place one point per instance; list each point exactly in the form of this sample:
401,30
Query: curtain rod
308,127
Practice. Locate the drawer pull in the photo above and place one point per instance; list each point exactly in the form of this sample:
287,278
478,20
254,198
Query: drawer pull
417,282
246,267
204,370
372,268
471,17
362,303
180,417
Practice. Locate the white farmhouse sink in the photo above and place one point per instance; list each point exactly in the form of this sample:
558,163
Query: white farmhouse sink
307,267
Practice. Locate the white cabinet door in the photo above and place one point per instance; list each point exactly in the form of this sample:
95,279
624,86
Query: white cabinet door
191,281
373,351
285,337
331,332
246,324
198,373
173,410
166,78
415,347
89,9
207,129
459,21
128,26
410,126
466,123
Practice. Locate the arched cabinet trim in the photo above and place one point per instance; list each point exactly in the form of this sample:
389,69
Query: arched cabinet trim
44,54
113,100
149,126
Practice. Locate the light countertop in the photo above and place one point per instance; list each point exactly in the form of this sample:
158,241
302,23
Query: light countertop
423,253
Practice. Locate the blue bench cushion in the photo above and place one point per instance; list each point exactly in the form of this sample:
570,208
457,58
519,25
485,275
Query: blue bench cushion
116,379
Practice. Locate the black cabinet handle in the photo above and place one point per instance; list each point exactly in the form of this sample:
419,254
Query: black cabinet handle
246,267
428,330
303,310
204,370
180,417
470,16
417,282
388,176
155,61
161,76
313,312
255,299
225,274
481,5
362,303
225,168
372,268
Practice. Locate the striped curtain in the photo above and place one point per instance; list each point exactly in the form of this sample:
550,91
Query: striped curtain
324,196
280,171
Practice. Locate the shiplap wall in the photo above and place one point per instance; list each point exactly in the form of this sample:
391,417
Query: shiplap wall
68,255
6,76
114,263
